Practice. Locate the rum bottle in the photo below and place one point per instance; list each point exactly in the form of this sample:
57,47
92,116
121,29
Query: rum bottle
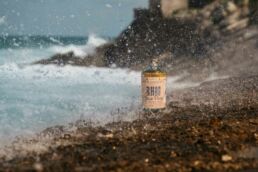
154,87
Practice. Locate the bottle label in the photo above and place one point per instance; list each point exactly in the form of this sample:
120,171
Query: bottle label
154,92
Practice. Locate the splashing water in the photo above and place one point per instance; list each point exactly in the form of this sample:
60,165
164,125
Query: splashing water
35,97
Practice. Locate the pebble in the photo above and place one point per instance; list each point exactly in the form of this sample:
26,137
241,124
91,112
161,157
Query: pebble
109,135
38,166
226,158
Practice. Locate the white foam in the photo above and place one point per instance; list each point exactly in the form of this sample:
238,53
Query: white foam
55,41
35,97
82,50
2,20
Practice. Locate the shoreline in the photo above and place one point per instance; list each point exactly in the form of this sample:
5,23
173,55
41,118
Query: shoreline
210,127
224,135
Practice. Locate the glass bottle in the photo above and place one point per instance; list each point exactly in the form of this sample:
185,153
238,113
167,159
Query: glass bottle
154,81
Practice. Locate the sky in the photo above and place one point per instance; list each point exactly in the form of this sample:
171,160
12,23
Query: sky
66,17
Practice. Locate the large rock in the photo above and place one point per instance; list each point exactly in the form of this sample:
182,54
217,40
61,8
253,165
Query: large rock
187,34
151,36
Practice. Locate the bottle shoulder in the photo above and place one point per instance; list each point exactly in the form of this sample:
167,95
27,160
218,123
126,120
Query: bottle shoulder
151,68
149,72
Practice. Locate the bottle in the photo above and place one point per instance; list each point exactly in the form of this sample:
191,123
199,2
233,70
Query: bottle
154,81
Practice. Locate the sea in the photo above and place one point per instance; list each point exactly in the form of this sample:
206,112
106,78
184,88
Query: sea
35,97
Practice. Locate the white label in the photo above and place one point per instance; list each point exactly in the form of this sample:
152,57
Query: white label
154,92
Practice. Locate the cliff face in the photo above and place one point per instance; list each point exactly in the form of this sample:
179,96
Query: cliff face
149,36
188,33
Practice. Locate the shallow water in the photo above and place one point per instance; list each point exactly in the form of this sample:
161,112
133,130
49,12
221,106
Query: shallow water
34,97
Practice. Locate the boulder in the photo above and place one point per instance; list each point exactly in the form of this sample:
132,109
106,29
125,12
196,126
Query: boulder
168,7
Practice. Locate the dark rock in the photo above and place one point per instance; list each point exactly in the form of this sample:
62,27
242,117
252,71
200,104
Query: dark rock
151,36
185,35
71,59
60,59
199,3
253,7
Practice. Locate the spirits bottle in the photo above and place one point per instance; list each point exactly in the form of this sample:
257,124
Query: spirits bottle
154,87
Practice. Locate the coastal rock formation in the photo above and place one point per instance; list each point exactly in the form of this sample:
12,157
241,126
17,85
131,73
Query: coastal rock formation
210,127
193,32
185,34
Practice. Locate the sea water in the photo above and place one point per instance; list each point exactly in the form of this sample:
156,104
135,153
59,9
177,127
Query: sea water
34,97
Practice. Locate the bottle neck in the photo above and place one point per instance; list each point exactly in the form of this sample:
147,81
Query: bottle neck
154,64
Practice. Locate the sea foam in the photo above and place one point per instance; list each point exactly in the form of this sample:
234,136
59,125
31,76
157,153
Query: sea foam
82,50
34,97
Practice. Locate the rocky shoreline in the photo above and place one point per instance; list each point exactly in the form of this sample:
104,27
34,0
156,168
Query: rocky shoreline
209,127
212,127
197,41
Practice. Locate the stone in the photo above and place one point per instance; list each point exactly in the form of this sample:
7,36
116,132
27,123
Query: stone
238,25
38,167
231,7
168,7
226,158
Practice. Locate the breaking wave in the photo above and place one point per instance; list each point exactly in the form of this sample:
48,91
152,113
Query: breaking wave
33,97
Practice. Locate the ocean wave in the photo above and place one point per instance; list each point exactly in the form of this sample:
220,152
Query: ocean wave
73,73
31,54
82,50
20,42
34,97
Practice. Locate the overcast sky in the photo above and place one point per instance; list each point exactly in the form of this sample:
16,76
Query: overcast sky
66,17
